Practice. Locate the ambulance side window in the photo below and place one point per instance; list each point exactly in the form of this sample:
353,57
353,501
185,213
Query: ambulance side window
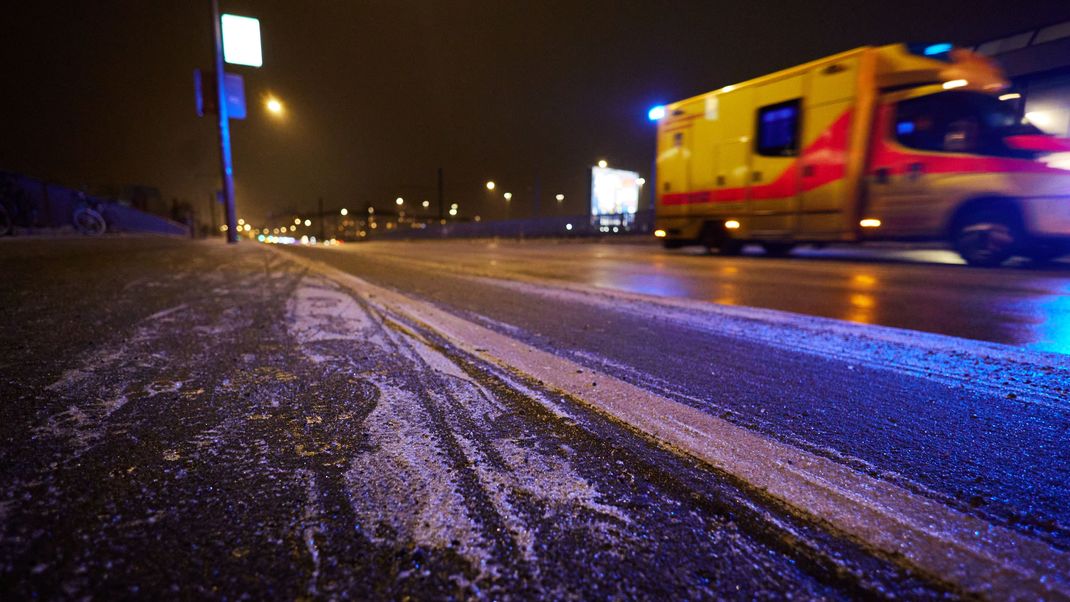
778,130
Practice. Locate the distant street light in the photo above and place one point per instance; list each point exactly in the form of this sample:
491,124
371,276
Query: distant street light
508,196
560,198
603,164
344,211
640,181
426,204
308,222
274,106
491,185
399,201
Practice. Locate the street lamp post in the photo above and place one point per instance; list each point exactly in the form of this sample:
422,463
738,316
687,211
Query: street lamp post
226,161
321,220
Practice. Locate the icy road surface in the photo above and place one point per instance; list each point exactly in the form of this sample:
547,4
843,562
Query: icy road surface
917,289
194,420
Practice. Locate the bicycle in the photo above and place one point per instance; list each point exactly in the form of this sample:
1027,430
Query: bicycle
88,216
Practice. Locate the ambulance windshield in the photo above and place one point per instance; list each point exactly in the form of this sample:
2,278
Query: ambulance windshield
960,122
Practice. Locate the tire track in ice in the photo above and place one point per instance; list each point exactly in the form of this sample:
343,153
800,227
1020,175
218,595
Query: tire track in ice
404,487
436,451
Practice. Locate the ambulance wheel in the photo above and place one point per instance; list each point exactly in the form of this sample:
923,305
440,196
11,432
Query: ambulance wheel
730,246
778,249
987,238
724,246
717,241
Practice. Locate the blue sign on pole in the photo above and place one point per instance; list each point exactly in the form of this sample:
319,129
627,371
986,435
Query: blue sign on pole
204,89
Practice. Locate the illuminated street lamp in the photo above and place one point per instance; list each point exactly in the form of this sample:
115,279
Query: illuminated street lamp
491,185
560,198
274,106
308,222
425,204
508,196
400,201
344,212
603,164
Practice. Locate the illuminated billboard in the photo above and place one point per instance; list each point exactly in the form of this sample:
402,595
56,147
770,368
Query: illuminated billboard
614,191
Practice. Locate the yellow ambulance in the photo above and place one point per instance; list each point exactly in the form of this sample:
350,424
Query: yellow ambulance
898,142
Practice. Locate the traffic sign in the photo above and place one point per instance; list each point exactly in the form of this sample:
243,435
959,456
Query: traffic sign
205,91
241,41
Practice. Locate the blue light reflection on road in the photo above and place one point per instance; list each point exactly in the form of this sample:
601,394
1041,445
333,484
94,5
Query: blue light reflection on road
1053,327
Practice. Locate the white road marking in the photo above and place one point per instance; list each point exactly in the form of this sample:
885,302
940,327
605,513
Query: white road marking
979,557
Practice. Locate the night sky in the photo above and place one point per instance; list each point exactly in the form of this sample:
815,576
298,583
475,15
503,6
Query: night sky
380,94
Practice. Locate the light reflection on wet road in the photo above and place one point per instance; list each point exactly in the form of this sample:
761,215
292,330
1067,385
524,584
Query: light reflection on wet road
917,289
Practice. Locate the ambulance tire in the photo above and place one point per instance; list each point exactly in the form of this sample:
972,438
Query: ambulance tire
987,237
778,249
726,247
730,247
717,241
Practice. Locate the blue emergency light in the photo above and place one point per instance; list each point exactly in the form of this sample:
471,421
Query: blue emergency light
935,49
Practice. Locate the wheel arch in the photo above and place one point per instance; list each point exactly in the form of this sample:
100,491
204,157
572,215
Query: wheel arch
1002,203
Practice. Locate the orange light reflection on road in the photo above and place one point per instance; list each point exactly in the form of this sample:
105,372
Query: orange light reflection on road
862,305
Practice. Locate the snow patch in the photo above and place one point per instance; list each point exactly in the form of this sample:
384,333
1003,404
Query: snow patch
406,483
319,311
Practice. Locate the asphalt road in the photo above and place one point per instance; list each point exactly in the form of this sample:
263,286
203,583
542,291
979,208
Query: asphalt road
918,289
383,421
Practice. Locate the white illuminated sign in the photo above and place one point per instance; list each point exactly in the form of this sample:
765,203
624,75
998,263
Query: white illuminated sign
241,41
614,191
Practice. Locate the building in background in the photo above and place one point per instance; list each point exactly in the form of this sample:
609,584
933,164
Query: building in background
1038,63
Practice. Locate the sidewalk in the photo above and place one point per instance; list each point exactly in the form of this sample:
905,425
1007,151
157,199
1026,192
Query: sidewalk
147,384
